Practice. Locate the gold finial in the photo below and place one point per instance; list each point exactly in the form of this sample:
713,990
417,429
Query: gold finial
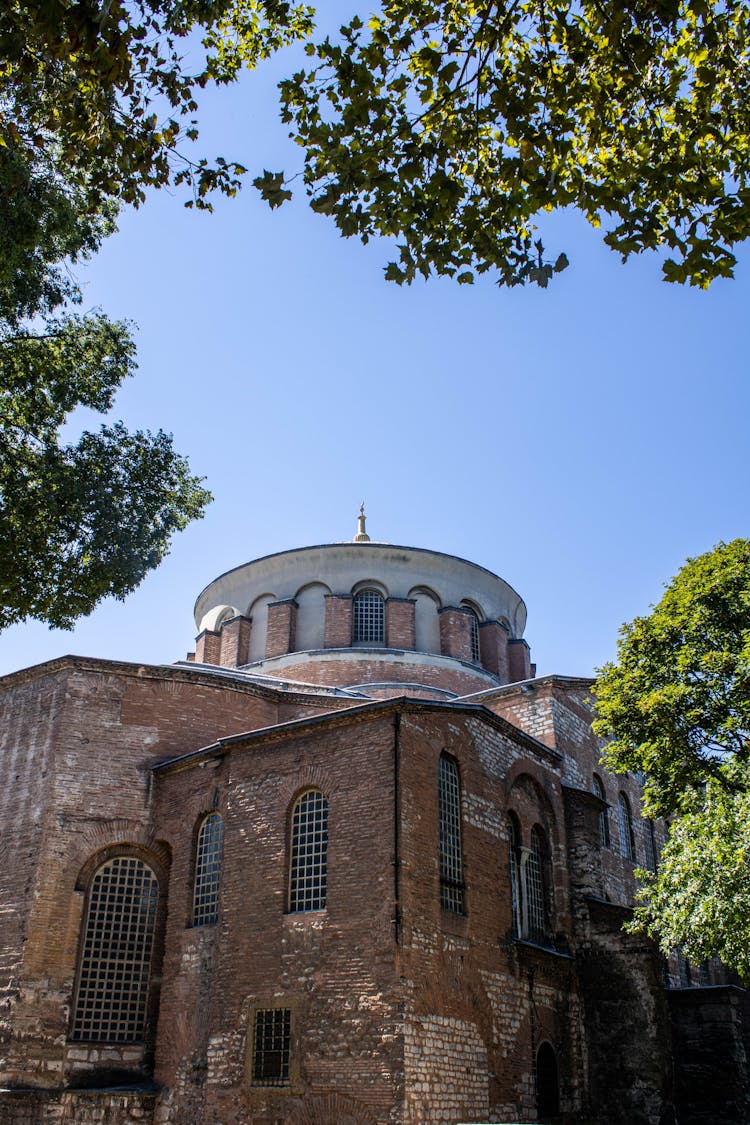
361,536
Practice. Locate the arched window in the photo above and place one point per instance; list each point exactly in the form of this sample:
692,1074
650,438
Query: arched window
474,632
547,1084
308,867
368,618
449,837
111,1003
604,841
208,850
627,838
537,886
514,856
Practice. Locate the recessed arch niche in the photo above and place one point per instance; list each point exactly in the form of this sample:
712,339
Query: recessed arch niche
311,612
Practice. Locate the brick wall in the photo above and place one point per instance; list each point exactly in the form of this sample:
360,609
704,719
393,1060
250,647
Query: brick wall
338,621
282,622
399,623
235,642
77,785
335,968
455,632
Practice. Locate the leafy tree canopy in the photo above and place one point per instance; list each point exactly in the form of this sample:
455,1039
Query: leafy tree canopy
676,705
452,125
107,93
93,104
79,521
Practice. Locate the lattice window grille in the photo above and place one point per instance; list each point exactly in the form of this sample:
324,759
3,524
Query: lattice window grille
112,997
515,883
272,1046
207,870
451,864
474,635
309,853
627,839
535,891
369,617
604,839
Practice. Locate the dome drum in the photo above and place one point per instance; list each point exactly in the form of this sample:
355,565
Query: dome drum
367,601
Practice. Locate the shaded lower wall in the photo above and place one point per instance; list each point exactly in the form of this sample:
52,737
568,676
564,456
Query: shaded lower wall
710,1036
95,1107
627,1025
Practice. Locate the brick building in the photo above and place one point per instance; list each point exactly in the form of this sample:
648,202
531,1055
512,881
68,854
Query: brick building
350,863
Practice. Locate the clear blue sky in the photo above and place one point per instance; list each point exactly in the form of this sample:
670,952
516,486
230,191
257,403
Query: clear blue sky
580,442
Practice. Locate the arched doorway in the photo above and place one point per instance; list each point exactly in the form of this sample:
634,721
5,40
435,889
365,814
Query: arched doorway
547,1088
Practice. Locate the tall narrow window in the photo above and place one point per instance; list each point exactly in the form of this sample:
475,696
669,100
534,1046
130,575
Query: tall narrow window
368,618
271,1048
649,837
474,633
547,1084
603,815
207,868
308,870
451,864
112,997
627,837
514,849
536,887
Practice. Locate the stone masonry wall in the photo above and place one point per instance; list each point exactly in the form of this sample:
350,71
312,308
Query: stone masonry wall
27,729
333,968
478,1003
95,764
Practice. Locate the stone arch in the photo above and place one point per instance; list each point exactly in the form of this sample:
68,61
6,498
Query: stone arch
215,618
369,584
426,620
311,611
258,613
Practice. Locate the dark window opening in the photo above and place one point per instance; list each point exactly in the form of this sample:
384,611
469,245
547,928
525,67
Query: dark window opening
368,618
115,966
272,1046
308,870
207,869
451,863
547,1087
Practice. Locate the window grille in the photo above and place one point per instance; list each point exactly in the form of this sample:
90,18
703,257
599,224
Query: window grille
474,634
369,618
627,839
207,868
650,841
604,840
535,888
451,866
308,853
515,881
111,1003
272,1045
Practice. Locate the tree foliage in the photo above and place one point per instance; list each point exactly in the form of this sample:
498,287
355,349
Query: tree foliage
93,100
79,520
452,125
106,93
676,705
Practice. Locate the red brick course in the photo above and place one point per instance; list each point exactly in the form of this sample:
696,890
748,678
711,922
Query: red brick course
235,642
338,622
455,632
399,623
282,623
